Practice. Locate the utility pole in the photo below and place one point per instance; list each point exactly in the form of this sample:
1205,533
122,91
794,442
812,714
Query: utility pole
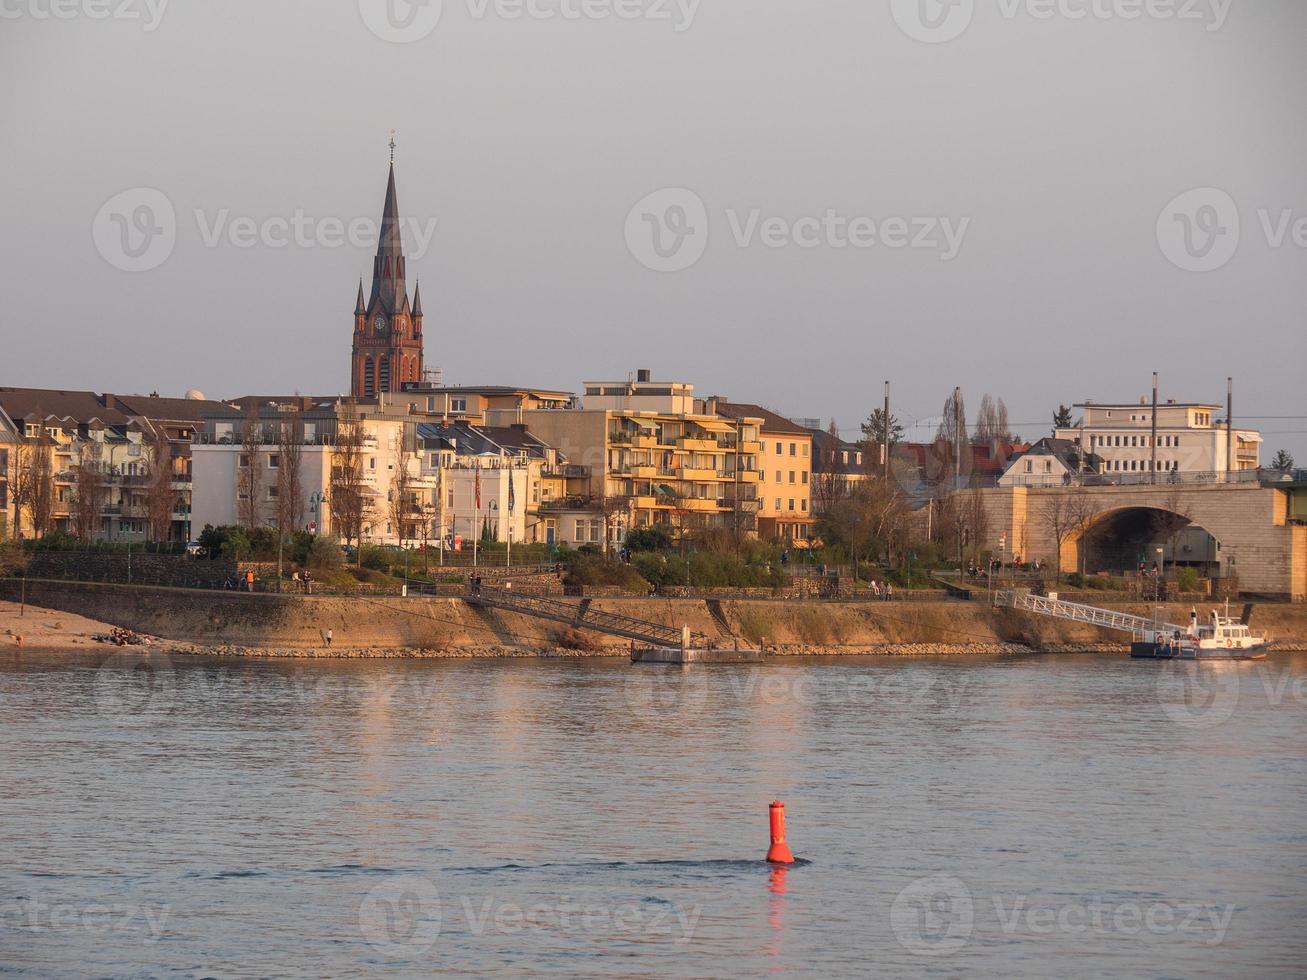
1153,438
885,435
957,437
1229,426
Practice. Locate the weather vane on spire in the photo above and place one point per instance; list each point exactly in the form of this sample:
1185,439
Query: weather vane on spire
392,146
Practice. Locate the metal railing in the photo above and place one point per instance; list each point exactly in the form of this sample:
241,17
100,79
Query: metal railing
579,614
1079,613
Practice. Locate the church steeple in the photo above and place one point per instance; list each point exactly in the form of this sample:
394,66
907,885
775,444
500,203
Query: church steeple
417,299
389,293
387,352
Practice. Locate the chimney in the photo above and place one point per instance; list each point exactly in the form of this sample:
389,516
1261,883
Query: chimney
642,376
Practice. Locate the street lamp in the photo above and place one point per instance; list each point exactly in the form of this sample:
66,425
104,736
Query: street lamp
317,498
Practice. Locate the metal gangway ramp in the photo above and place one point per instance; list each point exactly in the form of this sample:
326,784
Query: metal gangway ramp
580,614
1077,612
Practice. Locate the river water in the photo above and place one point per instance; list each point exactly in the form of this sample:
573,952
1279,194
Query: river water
1016,817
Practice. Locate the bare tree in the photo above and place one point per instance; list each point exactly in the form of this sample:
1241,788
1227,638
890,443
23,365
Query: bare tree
992,422
828,483
290,474
88,490
1171,519
1059,520
612,508
349,504
247,473
403,506
1082,509
953,424
37,465
160,499
973,520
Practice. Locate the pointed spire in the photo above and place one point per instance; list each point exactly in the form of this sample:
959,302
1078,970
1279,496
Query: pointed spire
417,299
388,289
360,307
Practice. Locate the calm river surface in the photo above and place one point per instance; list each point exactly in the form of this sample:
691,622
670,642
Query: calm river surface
1016,817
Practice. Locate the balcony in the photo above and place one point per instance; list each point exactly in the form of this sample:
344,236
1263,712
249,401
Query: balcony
702,504
704,445
699,473
643,472
556,504
750,448
749,476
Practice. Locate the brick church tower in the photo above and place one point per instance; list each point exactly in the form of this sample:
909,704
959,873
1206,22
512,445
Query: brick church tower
387,328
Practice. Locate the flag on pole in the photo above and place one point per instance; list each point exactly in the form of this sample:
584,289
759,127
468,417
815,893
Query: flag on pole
512,499
478,488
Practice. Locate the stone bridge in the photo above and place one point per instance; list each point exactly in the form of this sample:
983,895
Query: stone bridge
1260,530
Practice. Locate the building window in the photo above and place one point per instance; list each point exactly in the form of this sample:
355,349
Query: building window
803,478
778,449
383,373
803,506
791,503
274,461
791,476
458,405
244,461
778,503
794,449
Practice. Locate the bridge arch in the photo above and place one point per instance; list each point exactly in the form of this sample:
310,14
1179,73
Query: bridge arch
1121,538
1261,541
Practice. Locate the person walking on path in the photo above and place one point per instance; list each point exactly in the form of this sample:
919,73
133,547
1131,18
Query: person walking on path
329,636
308,582
249,580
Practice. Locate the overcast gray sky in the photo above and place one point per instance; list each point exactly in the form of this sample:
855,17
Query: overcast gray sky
1036,152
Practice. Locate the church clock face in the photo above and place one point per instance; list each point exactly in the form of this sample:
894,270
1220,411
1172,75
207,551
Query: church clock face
380,325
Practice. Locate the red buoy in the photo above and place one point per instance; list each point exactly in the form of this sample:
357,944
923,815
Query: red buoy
779,852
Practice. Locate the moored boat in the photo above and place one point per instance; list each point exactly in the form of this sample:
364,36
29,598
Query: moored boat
1224,638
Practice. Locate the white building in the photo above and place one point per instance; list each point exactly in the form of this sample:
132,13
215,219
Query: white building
1190,439
221,471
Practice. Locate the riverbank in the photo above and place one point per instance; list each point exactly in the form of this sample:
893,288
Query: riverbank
260,625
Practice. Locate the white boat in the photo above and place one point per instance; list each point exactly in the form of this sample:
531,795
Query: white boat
1224,638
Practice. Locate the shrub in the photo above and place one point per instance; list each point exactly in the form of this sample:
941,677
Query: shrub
323,555
1186,579
590,568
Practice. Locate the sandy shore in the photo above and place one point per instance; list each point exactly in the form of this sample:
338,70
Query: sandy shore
47,629
32,626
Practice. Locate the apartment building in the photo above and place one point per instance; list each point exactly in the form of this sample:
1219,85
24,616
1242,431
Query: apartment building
505,483
838,466
109,446
656,458
1191,438
784,471
239,462
477,404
